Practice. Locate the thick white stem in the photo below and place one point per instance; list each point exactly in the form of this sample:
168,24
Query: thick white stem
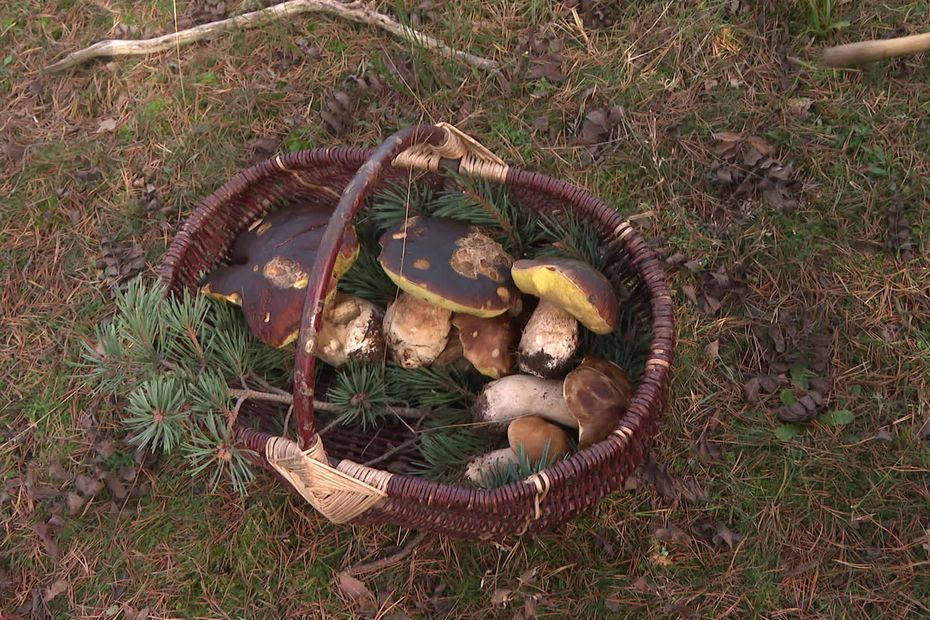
516,396
549,341
481,469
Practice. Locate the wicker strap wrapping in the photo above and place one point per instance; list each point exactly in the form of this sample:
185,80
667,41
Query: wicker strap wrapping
474,158
338,493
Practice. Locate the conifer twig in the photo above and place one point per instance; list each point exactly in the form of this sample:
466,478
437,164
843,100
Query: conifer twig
287,399
351,11
376,565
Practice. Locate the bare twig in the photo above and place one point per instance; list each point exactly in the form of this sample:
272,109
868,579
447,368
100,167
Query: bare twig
279,396
383,457
353,11
376,565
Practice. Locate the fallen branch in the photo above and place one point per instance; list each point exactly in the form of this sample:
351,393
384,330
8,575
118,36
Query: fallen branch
370,567
287,399
867,51
351,12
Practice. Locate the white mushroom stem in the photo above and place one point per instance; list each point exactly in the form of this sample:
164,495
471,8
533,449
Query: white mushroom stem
516,396
482,468
351,328
549,340
416,331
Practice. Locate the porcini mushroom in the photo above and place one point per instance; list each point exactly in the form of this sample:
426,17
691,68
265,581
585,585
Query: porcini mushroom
536,439
486,343
593,399
569,291
350,329
449,264
267,272
516,396
597,393
416,332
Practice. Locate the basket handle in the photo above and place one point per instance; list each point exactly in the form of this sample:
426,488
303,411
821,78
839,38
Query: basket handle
421,147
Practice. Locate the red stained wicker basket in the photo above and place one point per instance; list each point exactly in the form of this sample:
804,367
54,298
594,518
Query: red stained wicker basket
326,470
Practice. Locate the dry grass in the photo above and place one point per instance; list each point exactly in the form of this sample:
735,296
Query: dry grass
830,523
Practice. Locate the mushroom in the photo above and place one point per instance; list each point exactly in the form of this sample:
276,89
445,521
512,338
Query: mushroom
597,393
486,343
537,439
350,329
592,398
449,264
569,291
416,332
268,269
516,396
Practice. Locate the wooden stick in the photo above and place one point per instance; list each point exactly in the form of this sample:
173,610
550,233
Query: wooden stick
406,550
286,10
287,399
867,51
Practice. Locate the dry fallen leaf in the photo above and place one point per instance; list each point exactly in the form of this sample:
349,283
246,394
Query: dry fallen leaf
712,351
501,597
55,589
107,124
87,485
356,591
75,502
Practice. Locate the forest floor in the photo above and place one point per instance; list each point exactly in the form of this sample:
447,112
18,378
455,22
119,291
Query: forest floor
789,201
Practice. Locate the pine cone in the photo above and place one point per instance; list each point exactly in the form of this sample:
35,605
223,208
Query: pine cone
598,125
426,12
898,236
117,264
338,111
203,12
597,13
808,406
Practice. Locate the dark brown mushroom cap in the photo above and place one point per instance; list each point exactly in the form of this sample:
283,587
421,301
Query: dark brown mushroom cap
597,393
537,438
575,286
449,264
267,271
486,343
614,373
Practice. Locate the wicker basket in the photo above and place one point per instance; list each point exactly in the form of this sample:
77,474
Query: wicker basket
326,471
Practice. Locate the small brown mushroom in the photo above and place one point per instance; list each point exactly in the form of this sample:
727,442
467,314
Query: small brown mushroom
416,332
536,438
350,329
569,291
268,270
449,264
486,343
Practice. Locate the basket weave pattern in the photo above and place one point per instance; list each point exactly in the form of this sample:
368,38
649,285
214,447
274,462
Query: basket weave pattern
342,178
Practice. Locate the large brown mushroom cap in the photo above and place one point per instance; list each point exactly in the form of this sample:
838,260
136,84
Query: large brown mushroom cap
449,264
597,394
538,438
486,343
268,270
576,287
